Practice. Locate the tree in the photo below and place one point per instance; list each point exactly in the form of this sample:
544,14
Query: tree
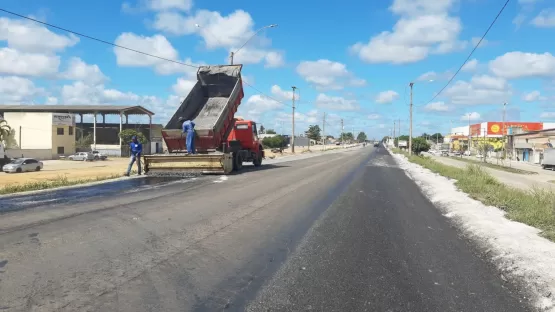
361,137
347,136
270,131
5,130
262,129
401,138
484,148
419,145
84,142
273,142
313,133
127,134
436,137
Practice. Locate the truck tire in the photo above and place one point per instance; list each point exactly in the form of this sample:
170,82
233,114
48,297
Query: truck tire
237,161
257,161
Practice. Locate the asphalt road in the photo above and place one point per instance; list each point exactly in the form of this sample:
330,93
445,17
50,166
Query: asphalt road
339,232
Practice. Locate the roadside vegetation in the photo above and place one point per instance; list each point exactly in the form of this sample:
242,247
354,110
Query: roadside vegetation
535,208
59,181
494,166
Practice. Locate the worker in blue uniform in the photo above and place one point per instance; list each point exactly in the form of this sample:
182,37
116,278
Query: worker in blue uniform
136,149
189,129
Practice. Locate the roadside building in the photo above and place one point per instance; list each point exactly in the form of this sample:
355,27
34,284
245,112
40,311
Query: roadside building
52,131
492,133
530,146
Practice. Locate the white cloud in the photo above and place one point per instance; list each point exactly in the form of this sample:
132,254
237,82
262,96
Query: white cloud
32,37
274,59
433,76
257,105
327,75
437,107
387,97
470,66
17,90
424,27
14,62
514,65
183,86
545,19
336,103
283,95
534,96
230,32
156,45
480,90
51,100
79,70
471,116
162,5
547,115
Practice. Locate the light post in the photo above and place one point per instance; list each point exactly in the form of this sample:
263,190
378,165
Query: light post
232,54
411,84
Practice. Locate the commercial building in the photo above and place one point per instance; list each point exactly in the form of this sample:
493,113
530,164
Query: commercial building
51,131
490,132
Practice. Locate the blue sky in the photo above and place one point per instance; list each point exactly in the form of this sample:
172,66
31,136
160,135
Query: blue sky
352,63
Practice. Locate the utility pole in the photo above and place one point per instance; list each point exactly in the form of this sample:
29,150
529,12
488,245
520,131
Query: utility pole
293,122
410,127
399,129
231,54
504,130
342,136
394,134
469,133
324,132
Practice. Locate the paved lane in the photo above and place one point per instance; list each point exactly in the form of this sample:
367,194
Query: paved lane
338,232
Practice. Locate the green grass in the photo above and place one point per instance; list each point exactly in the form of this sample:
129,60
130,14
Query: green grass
535,208
494,166
59,181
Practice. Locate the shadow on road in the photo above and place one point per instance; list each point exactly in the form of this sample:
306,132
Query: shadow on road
252,168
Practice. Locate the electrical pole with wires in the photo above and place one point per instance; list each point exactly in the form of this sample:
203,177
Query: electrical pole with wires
504,131
342,135
410,127
394,130
324,132
293,122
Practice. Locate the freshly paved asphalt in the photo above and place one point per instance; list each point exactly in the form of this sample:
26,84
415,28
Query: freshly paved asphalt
339,232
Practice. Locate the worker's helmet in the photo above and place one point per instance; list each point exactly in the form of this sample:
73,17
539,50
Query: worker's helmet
181,119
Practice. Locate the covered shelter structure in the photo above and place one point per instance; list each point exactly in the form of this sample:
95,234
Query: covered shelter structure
34,117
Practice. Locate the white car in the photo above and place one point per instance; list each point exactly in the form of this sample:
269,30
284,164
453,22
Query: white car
23,165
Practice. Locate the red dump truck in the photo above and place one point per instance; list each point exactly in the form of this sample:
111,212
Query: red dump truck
223,142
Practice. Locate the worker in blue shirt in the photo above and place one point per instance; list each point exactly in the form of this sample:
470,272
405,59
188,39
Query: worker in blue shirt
136,150
189,129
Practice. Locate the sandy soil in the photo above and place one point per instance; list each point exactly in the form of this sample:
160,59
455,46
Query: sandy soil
72,170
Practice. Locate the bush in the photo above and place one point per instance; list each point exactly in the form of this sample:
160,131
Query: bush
419,145
273,142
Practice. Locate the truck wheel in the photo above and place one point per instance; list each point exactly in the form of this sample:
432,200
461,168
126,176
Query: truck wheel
237,161
257,162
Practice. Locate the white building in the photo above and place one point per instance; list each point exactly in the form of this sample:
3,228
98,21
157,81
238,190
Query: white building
41,135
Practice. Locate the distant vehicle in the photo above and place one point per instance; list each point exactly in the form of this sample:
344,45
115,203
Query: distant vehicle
22,165
337,143
466,153
479,156
99,156
82,156
4,159
444,153
548,161
402,143
376,144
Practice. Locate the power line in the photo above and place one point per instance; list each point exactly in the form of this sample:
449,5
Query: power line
264,94
96,39
471,53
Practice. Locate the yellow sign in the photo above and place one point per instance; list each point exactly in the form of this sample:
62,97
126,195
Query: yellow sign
495,128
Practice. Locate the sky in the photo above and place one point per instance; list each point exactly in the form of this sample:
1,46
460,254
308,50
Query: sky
352,63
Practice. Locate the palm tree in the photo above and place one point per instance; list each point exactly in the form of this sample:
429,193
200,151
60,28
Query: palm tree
5,130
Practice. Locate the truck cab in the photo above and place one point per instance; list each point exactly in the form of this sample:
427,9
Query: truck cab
244,143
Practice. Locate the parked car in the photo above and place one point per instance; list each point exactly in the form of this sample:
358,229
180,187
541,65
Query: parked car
99,156
83,156
22,165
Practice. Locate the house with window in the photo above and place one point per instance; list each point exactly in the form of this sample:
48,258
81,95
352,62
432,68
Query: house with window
42,135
